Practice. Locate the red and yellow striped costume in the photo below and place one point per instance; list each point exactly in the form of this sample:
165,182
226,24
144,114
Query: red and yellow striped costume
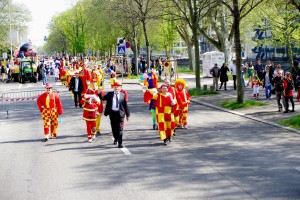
50,106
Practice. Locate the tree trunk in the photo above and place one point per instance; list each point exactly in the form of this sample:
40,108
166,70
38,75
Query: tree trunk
290,54
147,44
238,52
197,51
191,54
135,50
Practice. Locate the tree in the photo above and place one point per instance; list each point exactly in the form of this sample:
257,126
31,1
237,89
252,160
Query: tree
296,3
191,11
239,10
283,21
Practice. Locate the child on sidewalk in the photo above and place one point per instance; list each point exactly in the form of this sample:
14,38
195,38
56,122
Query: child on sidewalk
255,85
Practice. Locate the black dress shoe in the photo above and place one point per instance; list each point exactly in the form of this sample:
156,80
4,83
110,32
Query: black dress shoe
115,142
286,111
45,140
120,146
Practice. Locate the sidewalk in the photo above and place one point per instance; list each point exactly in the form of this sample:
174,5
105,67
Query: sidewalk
266,114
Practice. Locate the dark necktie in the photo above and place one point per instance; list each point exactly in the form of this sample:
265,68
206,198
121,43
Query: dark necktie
117,101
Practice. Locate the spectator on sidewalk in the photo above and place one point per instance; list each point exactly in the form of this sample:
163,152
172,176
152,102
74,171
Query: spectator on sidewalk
250,73
278,85
215,72
267,83
278,70
259,69
232,69
288,92
224,76
297,84
255,85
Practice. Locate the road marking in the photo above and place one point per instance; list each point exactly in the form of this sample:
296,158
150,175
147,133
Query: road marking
29,85
58,84
298,169
125,150
20,85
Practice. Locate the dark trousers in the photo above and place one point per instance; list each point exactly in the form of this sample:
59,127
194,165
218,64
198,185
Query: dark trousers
117,122
287,98
234,81
77,98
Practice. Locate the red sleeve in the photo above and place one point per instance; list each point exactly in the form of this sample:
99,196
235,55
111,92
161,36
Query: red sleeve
59,107
148,96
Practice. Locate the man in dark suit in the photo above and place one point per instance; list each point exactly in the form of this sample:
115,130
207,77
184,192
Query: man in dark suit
117,109
76,85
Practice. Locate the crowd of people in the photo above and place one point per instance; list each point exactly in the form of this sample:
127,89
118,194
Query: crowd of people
273,79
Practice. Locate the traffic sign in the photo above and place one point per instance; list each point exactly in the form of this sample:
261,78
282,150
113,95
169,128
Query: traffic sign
121,49
121,41
127,44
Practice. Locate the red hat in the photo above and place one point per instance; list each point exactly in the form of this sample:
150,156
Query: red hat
116,84
48,85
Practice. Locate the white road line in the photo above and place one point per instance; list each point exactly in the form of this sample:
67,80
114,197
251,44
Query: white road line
298,169
20,85
125,150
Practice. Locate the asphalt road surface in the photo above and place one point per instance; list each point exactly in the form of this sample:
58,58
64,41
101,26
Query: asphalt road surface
219,156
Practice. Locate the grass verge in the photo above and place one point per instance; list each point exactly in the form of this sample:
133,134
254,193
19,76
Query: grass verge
292,123
196,92
248,103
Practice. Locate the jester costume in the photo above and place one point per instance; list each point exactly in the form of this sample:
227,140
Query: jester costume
183,100
50,106
164,116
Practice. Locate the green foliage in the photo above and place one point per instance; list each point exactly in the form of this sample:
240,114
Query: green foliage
248,103
197,92
185,70
293,122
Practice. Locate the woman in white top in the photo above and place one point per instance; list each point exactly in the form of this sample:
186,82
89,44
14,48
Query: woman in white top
278,69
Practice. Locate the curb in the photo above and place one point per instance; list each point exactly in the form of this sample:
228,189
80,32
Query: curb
245,116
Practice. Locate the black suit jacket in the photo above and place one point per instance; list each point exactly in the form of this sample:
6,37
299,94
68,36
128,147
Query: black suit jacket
123,107
72,84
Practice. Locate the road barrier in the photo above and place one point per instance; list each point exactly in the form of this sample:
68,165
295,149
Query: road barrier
20,100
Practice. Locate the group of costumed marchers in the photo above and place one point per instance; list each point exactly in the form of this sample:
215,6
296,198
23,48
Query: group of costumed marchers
92,83
168,105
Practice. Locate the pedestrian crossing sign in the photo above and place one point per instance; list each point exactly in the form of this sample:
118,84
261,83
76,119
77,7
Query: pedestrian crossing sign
121,50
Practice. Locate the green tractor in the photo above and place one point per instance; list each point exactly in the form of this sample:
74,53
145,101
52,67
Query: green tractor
26,71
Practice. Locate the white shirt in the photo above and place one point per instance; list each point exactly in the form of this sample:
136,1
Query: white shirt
76,84
232,68
114,106
56,72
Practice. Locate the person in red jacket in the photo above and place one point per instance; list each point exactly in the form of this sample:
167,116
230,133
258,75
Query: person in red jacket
288,92
183,99
90,113
93,90
50,106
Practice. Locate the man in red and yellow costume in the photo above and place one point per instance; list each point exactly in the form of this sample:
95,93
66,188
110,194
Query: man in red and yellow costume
183,100
164,115
50,106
